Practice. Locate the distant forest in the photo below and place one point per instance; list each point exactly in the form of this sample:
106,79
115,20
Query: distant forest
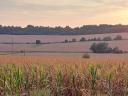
84,30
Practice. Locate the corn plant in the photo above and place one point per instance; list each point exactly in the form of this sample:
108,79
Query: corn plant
42,92
110,77
93,76
59,83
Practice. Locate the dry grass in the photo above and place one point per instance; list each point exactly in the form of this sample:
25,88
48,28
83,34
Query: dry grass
62,76
54,38
16,59
77,46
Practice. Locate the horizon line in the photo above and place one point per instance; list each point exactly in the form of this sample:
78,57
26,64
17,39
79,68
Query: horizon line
24,26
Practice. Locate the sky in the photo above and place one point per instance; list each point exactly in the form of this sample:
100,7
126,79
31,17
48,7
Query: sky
63,12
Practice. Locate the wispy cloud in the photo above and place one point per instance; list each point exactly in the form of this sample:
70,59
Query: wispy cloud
65,9
8,5
60,5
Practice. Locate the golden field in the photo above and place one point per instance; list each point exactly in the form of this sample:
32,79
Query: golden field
62,76
102,59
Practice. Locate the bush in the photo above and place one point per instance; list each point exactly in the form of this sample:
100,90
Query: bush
73,40
108,38
98,39
82,39
22,51
66,41
118,37
117,50
86,56
38,42
95,39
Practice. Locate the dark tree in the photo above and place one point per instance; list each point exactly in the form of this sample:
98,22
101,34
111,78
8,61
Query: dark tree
98,39
66,41
74,40
84,30
82,39
100,48
108,38
118,37
38,42
104,48
117,50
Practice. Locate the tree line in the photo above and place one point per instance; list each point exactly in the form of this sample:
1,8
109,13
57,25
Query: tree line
107,38
83,30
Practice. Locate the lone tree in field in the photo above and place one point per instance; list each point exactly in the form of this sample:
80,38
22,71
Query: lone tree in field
38,42
104,48
100,48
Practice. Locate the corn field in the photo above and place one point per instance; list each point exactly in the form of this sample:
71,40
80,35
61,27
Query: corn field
64,80
62,76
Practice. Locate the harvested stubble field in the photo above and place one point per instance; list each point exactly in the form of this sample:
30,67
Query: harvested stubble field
62,76
74,46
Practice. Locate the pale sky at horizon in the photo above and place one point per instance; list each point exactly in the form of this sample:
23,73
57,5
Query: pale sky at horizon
63,12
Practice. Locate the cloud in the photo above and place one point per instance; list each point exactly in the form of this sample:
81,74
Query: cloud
53,9
108,3
9,5
61,5
83,8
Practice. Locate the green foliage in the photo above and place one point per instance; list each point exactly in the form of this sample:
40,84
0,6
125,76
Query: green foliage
93,75
104,48
41,80
100,47
109,79
41,30
42,92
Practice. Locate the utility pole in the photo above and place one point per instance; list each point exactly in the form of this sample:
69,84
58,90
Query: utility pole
24,52
12,44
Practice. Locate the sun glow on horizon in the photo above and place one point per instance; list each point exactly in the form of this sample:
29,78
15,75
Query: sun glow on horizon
63,13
